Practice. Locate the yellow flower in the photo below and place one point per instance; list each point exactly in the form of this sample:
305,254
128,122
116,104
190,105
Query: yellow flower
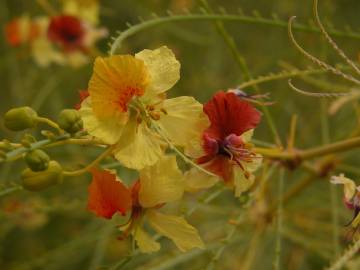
127,107
159,184
87,10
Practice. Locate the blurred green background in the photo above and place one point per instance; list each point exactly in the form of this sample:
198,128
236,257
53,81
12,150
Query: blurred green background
53,230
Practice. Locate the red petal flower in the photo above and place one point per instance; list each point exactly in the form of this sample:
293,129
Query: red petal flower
230,114
107,195
67,31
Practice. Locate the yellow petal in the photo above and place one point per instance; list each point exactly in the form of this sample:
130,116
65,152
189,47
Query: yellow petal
145,242
196,180
184,124
161,183
45,54
114,82
163,67
246,136
87,10
107,129
241,183
184,235
349,185
138,146
255,163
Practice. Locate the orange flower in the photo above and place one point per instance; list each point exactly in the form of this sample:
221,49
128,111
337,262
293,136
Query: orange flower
158,185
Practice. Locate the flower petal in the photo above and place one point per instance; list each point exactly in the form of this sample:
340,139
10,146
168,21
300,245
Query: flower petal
163,67
115,81
107,129
349,185
161,183
230,114
247,135
241,182
185,123
138,146
145,242
184,235
196,180
107,195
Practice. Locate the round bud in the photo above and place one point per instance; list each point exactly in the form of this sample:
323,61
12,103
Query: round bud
37,181
18,119
37,160
70,120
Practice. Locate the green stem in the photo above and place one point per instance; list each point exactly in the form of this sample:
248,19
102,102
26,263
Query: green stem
279,224
143,26
91,165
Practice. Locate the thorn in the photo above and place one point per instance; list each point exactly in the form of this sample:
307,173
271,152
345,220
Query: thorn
154,15
118,32
169,12
141,19
128,24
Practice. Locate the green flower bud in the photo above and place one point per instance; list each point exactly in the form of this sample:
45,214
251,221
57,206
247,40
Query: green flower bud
37,160
37,181
18,119
70,120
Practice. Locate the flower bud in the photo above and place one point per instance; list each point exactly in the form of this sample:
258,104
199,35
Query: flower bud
18,119
70,120
37,160
37,181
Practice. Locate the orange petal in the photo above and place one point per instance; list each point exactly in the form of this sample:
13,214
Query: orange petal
116,79
107,195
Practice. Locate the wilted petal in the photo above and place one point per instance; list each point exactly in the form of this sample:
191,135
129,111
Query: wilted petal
161,183
107,129
107,195
184,124
163,67
349,185
145,242
184,235
139,146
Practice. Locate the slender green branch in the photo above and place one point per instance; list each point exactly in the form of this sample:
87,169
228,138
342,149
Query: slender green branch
9,190
347,255
279,224
47,143
301,155
50,123
91,165
145,25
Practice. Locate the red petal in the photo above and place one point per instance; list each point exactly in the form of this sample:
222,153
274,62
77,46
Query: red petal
107,195
67,31
219,165
230,114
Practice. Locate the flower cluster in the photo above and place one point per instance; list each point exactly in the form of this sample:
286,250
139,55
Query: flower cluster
67,38
126,107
